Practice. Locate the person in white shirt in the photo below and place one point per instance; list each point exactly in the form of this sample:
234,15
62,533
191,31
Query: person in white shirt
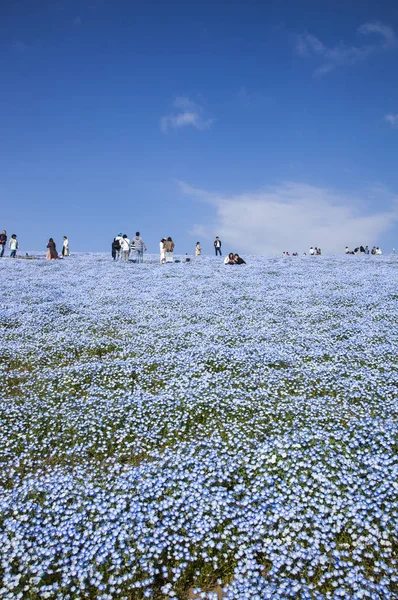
198,249
312,251
119,239
13,245
162,251
65,247
125,247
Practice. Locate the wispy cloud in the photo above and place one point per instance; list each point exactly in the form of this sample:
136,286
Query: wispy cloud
385,31
294,216
187,113
253,99
392,119
342,54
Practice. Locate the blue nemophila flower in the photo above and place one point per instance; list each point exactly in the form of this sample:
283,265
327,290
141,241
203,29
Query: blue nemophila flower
220,428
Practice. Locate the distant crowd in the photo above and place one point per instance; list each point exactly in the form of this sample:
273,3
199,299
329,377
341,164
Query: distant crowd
126,249
364,250
123,248
312,252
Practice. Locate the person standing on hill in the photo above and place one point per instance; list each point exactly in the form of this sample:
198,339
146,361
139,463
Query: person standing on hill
65,246
162,251
140,247
52,253
3,241
115,248
119,238
13,245
125,247
198,249
169,249
217,246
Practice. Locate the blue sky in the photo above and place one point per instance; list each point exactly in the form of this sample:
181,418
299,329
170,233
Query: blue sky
272,124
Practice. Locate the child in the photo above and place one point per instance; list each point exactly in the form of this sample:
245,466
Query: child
13,245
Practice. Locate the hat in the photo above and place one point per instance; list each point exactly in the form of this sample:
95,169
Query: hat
120,233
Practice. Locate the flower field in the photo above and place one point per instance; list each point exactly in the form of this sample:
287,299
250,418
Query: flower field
199,430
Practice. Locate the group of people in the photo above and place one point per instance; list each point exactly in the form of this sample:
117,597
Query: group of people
234,259
12,244
51,254
166,249
364,250
122,246
312,252
231,259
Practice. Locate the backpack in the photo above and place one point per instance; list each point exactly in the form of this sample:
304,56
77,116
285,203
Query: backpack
116,244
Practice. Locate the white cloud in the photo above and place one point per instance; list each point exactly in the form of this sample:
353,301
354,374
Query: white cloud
392,119
295,216
200,232
385,31
188,113
342,54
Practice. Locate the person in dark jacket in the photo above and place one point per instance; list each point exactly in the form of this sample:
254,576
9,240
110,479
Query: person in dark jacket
115,248
52,253
217,246
238,260
3,241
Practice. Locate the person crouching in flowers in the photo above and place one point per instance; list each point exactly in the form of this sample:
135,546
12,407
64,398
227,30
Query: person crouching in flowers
238,260
52,253
229,260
